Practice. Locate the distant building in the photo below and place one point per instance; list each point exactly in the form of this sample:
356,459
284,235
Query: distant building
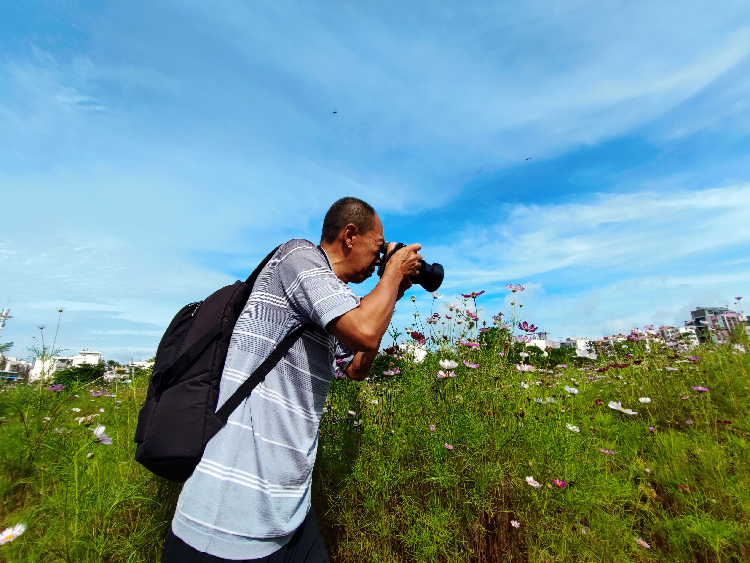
13,368
674,334
57,363
584,347
713,324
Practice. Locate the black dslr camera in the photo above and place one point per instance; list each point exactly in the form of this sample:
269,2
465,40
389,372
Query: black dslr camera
430,276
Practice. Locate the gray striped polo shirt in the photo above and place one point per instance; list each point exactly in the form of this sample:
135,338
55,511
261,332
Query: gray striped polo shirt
251,490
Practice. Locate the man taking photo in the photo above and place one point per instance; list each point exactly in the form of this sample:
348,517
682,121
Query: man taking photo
249,497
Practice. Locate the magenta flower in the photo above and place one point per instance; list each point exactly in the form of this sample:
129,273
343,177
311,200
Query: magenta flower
694,358
651,429
417,335
472,295
394,371
470,365
527,327
448,317
686,488
689,422
700,389
441,374
514,288
559,483
639,541
57,388
738,298
432,428
96,393
563,366
606,451
470,344
598,402
447,446
452,374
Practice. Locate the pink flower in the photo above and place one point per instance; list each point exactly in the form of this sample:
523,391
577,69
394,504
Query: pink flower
694,358
515,523
524,367
738,298
559,483
452,374
470,365
651,429
514,288
473,294
448,317
598,402
527,327
432,428
447,446
639,541
688,422
470,344
700,389
686,488
441,374
606,451
723,422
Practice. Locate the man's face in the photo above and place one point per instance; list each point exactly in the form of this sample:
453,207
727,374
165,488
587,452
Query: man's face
365,255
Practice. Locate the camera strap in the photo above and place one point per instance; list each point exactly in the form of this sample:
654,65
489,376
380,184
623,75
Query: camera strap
381,268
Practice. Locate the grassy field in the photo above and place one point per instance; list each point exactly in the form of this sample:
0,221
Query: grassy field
431,468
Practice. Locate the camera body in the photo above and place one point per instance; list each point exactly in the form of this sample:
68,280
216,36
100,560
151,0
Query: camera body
430,276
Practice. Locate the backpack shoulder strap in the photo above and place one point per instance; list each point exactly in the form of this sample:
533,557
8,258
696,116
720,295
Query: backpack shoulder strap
256,272
244,390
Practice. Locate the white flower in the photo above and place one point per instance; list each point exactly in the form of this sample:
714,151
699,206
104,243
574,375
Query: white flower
448,364
76,409
645,400
572,428
325,410
351,413
452,306
669,368
9,534
515,523
101,436
374,401
545,401
523,355
357,423
524,367
618,407
571,390
533,482
524,385
436,296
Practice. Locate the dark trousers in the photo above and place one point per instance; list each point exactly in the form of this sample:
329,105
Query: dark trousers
306,546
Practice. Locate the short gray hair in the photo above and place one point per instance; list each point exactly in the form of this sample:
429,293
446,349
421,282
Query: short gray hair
344,211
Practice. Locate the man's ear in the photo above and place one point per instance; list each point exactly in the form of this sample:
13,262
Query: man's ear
350,232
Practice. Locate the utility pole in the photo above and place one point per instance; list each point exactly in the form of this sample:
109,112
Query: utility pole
4,316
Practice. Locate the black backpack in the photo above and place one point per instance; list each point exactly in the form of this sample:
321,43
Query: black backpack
179,416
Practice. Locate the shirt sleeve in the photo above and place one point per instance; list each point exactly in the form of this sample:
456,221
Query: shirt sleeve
343,356
313,290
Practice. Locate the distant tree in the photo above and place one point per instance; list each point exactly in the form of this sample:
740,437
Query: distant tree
79,374
113,364
5,347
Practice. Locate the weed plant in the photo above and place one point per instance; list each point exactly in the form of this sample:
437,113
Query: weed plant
520,458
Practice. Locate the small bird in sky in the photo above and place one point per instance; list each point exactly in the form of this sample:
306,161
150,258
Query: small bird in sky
335,111
526,159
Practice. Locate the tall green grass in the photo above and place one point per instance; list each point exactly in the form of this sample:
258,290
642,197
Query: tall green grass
388,489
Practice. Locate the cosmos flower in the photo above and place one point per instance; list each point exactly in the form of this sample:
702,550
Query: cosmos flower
686,488
533,482
645,400
572,428
447,446
651,429
56,388
639,541
76,409
441,374
436,296
449,317
723,422
524,385
514,288
559,483
527,327
432,428
689,422
470,344
452,374
374,402
606,451
523,339
598,402
694,358
571,390
562,366
618,407
524,367
101,436
700,389
515,523
9,534
472,295
448,364
351,413
470,365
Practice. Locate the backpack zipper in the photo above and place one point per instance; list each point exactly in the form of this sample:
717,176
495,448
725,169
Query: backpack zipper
192,320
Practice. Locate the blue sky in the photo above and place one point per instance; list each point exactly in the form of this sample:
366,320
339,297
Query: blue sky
151,152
